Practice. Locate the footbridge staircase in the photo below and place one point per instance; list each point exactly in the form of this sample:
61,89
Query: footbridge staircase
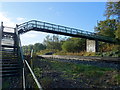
14,69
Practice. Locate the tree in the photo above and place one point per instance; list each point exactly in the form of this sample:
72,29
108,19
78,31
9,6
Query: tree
74,45
112,9
117,33
38,46
53,42
107,27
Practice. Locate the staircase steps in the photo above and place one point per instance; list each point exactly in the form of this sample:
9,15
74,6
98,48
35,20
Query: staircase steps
10,64
8,46
10,60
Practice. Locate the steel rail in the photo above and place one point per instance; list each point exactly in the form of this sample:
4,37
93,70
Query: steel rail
34,77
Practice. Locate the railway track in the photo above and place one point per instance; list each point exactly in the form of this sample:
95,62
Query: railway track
107,62
87,58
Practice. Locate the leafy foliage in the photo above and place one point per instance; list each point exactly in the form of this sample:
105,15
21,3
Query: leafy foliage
117,32
107,28
74,45
53,42
112,9
36,47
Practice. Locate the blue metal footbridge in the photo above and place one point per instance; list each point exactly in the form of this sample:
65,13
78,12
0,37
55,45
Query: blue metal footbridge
62,30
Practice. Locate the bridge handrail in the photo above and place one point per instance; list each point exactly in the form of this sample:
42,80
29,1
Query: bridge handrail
77,30
34,22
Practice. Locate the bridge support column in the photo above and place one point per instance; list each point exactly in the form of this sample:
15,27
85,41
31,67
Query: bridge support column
91,45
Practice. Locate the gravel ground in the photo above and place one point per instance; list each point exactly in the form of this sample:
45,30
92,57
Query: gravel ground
55,80
115,65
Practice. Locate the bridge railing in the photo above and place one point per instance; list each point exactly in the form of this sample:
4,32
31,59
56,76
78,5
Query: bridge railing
58,28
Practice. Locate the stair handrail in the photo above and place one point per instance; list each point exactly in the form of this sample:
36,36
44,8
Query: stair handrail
25,62
20,54
33,75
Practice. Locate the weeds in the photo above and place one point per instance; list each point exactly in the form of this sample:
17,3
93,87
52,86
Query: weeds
87,74
38,72
46,82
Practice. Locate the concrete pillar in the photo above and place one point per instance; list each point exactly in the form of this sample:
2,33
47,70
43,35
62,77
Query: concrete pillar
91,45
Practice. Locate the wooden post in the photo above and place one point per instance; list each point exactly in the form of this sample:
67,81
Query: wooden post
31,62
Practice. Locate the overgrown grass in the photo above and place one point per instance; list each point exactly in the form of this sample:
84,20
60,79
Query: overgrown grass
42,52
46,82
117,78
38,72
82,53
78,69
76,72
